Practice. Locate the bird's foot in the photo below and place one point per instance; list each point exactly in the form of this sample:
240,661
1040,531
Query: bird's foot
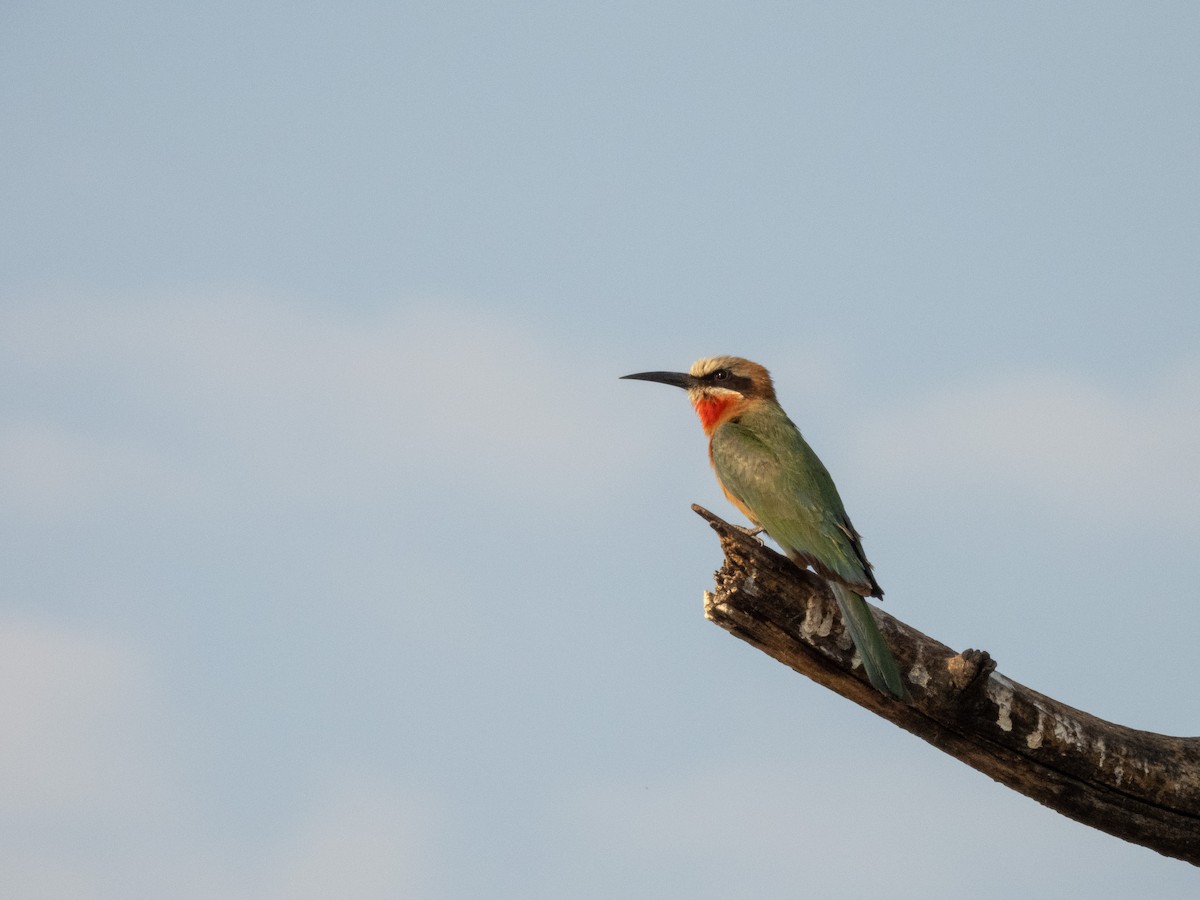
748,531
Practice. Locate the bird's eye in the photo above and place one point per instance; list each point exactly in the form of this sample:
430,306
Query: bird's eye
720,374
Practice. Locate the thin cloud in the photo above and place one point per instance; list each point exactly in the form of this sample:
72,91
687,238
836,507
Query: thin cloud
363,837
220,396
1048,438
75,707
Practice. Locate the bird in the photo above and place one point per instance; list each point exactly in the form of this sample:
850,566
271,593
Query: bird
768,471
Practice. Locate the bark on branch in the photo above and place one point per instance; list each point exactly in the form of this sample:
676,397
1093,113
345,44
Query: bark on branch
1136,785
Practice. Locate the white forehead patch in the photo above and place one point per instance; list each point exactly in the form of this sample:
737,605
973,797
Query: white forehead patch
702,367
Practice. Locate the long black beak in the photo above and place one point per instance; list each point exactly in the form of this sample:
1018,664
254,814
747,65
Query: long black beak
679,379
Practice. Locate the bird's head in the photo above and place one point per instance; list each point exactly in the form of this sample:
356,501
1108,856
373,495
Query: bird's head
720,387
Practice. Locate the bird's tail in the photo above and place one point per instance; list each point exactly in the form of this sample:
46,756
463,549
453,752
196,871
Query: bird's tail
877,657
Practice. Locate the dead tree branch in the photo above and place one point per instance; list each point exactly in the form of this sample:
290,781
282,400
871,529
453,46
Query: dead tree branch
1137,785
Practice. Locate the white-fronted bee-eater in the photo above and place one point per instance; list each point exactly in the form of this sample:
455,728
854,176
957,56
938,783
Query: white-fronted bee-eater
768,471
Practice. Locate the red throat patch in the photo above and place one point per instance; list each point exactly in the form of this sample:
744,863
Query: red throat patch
713,410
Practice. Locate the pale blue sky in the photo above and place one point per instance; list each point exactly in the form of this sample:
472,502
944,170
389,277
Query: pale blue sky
337,560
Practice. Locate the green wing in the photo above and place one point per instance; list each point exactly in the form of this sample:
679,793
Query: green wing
763,461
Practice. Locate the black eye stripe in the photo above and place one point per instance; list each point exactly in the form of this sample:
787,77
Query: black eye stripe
727,379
